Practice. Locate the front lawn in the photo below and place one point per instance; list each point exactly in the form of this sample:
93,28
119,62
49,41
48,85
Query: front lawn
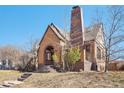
74,80
66,80
8,75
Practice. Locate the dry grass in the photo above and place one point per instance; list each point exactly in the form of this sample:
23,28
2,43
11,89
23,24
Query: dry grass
74,80
67,80
8,75
117,77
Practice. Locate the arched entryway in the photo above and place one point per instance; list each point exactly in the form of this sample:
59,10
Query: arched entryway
49,51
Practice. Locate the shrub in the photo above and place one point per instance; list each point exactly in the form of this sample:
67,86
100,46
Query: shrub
72,56
55,57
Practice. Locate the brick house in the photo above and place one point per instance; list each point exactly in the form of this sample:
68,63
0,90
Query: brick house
117,65
90,40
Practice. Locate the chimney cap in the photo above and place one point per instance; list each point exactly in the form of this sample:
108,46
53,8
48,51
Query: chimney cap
74,7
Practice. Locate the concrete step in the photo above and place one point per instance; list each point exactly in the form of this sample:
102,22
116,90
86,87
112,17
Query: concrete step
27,73
1,86
21,79
25,76
7,85
14,82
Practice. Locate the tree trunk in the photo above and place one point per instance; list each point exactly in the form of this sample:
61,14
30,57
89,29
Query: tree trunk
106,64
106,60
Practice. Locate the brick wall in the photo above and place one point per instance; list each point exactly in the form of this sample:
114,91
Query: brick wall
79,66
49,39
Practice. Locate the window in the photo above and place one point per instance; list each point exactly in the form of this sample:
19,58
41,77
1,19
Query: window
88,54
87,48
98,53
103,55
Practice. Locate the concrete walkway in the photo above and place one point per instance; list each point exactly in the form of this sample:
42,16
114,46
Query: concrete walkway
11,83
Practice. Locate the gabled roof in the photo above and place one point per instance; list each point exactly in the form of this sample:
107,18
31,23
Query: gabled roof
91,32
59,33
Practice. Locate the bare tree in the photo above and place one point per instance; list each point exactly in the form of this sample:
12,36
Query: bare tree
113,22
31,48
114,34
11,53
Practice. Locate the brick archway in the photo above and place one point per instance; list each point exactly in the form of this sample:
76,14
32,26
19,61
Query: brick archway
49,51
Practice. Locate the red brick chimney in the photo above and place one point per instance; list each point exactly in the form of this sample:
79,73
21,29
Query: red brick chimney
77,28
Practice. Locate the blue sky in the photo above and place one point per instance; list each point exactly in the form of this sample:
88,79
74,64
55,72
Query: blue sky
19,23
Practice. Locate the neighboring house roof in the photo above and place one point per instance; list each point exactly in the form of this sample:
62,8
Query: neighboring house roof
117,61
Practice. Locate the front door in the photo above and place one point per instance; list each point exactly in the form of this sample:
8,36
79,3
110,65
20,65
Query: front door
48,55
